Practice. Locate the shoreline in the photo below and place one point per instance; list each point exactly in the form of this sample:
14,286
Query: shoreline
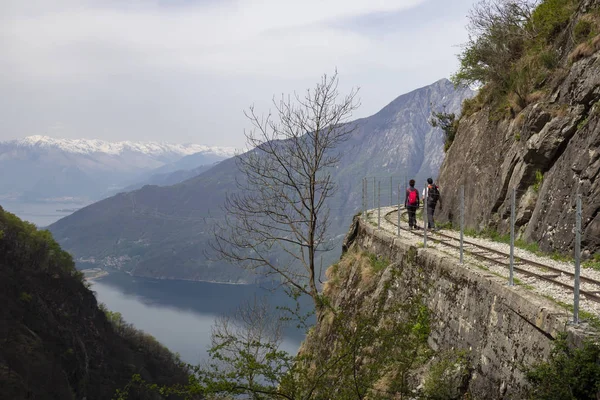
101,272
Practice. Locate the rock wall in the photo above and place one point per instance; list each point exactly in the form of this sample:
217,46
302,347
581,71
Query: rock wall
556,137
502,328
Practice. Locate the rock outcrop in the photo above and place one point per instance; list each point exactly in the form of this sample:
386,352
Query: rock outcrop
548,152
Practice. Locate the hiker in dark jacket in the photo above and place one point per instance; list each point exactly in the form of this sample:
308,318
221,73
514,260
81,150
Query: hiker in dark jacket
411,202
431,196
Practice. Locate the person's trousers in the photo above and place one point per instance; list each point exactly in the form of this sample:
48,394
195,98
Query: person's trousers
430,211
412,216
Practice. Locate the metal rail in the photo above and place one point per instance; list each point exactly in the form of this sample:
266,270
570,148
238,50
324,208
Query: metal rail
587,294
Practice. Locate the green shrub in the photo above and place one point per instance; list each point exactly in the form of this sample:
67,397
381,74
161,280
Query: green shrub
569,373
539,180
470,106
593,263
511,51
550,17
25,297
549,59
583,30
377,263
448,123
448,377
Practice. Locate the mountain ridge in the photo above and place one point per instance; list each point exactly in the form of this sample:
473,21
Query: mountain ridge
90,146
44,168
164,231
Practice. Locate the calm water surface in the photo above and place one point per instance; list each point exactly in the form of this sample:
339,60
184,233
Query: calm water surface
180,314
41,214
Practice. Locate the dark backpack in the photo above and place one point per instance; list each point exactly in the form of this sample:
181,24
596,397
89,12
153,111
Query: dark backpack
413,197
433,194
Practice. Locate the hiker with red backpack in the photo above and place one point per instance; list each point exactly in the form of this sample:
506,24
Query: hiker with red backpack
431,195
411,202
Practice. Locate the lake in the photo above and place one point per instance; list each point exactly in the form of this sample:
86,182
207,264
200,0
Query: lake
41,214
180,314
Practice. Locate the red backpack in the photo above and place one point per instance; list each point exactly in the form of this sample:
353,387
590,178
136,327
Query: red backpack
413,197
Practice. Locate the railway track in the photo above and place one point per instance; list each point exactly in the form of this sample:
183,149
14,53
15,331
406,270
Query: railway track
547,273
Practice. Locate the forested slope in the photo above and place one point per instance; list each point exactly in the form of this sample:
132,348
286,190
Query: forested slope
55,342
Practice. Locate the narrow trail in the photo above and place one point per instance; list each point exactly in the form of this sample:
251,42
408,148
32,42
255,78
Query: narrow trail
543,275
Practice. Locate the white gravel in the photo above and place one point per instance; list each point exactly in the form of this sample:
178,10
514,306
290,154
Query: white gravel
542,287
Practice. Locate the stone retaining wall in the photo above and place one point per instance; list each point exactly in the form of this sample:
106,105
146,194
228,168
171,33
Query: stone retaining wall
503,328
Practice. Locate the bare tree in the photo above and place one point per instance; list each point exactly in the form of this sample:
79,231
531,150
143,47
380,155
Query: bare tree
277,221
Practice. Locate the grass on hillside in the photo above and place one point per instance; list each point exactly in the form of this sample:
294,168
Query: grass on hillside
515,54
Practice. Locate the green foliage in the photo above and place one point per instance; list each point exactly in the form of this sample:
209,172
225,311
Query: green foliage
593,262
583,30
549,59
497,34
569,373
471,105
445,225
550,17
582,123
539,180
37,247
447,376
51,325
25,297
448,123
510,50
377,263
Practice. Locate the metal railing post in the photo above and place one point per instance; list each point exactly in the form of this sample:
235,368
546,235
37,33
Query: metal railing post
391,192
399,209
511,280
577,261
374,194
462,221
378,204
364,195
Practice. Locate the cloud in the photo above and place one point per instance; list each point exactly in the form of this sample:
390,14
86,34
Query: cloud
133,69
245,36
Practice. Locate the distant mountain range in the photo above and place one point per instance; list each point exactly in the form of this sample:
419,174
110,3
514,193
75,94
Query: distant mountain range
41,168
163,232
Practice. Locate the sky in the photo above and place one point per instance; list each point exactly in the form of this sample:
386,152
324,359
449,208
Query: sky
184,71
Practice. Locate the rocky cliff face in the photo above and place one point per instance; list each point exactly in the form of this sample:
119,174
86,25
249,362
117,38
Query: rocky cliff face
548,153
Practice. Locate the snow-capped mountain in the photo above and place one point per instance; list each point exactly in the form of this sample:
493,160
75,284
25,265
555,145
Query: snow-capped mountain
91,146
39,168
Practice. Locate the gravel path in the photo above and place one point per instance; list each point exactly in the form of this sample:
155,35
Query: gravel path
555,292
